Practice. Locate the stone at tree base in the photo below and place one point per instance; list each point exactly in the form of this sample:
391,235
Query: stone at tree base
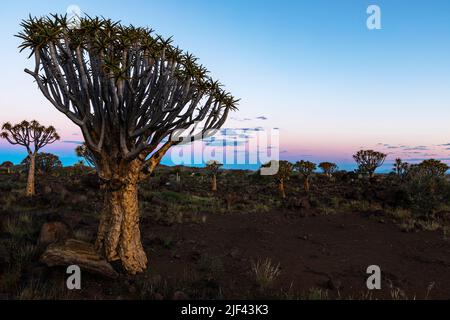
53,232
80,253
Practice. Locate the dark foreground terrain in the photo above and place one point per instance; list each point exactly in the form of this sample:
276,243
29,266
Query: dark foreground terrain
242,242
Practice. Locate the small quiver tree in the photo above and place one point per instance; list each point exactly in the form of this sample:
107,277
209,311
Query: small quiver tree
306,169
6,166
400,168
368,161
213,167
33,137
177,172
433,168
328,168
282,175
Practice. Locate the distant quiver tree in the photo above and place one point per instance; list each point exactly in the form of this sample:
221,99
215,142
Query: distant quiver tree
33,136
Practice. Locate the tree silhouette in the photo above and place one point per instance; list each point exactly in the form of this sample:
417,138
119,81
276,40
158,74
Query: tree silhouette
33,137
369,160
7,165
134,95
433,168
283,174
213,167
328,168
401,168
306,169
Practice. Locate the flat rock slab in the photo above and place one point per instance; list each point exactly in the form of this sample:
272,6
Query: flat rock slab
80,253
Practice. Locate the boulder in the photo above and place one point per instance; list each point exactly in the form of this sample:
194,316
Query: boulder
53,232
80,253
47,190
180,295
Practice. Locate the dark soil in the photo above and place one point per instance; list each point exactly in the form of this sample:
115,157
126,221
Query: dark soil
329,252
203,246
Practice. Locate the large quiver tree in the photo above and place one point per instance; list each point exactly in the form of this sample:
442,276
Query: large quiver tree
132,93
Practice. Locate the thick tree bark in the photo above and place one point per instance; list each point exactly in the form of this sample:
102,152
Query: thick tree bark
30,182
119,237
214,183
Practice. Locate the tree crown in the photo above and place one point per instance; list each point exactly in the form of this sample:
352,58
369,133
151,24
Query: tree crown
284,168
433,168
306,168
369,160
32,135
213,166
130,90
328,167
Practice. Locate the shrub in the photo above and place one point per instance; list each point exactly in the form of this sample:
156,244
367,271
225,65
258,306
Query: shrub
265,272
45,162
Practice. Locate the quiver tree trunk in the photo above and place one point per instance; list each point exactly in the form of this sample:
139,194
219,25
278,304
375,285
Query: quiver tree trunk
119,236
281,188
31,171
306,184
214,183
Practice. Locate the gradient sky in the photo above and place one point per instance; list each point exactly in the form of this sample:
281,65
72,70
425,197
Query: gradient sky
310,68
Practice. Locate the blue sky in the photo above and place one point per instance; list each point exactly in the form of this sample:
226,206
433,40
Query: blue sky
310,68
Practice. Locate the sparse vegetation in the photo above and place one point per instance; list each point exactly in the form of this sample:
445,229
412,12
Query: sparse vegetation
265,273
211,269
